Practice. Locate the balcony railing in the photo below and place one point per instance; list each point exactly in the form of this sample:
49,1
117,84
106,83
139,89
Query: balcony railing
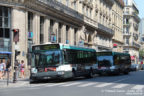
90,21
136,44
111,2
126,33
136,16
62,8
105,29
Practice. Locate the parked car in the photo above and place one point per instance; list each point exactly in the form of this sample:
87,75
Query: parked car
134,67
141,66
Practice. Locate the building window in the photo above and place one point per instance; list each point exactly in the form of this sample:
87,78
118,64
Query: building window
127,41
51,29
30,22
86,11
75,5
67,34
59,32
75,36
5,16
90,13
83,9
67,2
41,29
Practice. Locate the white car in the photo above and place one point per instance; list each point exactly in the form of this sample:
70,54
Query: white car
134,67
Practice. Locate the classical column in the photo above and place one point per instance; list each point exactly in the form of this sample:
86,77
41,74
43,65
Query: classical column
71,36
36,29
63,34
55,30
46,30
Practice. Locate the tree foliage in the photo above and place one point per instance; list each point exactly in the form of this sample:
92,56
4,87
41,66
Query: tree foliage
141,53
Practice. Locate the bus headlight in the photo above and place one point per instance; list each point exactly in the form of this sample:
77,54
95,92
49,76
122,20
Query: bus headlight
112,67
33,70
60,73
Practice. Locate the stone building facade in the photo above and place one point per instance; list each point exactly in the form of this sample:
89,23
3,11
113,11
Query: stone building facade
91,23
131,32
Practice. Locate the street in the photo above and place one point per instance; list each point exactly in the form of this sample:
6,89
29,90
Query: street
122,85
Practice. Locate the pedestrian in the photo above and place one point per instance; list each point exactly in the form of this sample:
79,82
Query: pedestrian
8,64
22,66
3,66
1,69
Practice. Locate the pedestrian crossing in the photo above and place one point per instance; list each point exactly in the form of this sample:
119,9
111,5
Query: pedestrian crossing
85,85
94,85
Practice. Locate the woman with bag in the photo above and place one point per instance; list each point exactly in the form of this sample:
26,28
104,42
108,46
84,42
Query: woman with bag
22,69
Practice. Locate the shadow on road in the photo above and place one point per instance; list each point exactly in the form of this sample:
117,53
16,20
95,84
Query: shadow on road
132,78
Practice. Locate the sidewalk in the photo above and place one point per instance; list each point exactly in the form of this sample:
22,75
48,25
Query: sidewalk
19,82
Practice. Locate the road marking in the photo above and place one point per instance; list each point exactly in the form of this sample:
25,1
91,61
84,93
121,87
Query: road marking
51,85
138,87
71,84
119,80
120,86
103,85
37,85
85,85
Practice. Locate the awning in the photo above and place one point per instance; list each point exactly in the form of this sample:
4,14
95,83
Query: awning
114,45
5,52
132,57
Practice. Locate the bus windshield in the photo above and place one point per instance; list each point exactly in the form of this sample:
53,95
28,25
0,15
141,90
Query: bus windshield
105,61
47,58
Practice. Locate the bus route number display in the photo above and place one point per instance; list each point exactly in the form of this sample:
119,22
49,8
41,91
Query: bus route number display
45,47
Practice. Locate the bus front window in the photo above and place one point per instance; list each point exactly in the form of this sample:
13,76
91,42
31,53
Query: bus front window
48,58
105,61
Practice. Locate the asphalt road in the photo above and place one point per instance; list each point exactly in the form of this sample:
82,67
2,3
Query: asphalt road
121,85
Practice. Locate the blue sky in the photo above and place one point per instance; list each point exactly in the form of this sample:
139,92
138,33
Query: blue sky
140,4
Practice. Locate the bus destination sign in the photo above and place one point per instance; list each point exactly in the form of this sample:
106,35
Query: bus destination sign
46,47
104,53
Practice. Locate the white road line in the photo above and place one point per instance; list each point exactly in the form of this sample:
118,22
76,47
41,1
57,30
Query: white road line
120,86
51,85
138,87
71,84
37,85
103,85
120,80
88,84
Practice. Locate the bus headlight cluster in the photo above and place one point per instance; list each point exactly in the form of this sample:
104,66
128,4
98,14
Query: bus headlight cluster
60,73
112,67
33,70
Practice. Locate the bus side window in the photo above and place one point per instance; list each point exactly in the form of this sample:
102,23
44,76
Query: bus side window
65,57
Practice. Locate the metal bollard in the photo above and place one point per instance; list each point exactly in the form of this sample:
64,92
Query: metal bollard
14,75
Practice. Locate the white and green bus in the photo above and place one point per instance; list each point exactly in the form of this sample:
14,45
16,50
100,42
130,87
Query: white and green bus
113,62
56,61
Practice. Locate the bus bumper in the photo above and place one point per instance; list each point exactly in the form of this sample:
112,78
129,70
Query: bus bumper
49,75
109,71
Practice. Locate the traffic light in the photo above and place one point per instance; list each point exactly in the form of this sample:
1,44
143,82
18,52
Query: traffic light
16,35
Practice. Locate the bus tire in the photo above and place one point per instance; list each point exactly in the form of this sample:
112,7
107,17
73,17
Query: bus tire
91,74
126,72
73,74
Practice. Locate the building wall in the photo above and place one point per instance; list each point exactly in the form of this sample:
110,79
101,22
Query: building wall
131,21
117,18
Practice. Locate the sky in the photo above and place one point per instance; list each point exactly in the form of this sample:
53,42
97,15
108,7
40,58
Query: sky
140,4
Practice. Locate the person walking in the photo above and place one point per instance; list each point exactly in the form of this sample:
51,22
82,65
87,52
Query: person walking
1,69
3,66
22,66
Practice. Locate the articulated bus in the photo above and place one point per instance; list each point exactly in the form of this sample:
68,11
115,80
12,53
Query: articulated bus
113,62
58,61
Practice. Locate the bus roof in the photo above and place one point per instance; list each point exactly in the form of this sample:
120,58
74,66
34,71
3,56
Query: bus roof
60,46
111,53
66,46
